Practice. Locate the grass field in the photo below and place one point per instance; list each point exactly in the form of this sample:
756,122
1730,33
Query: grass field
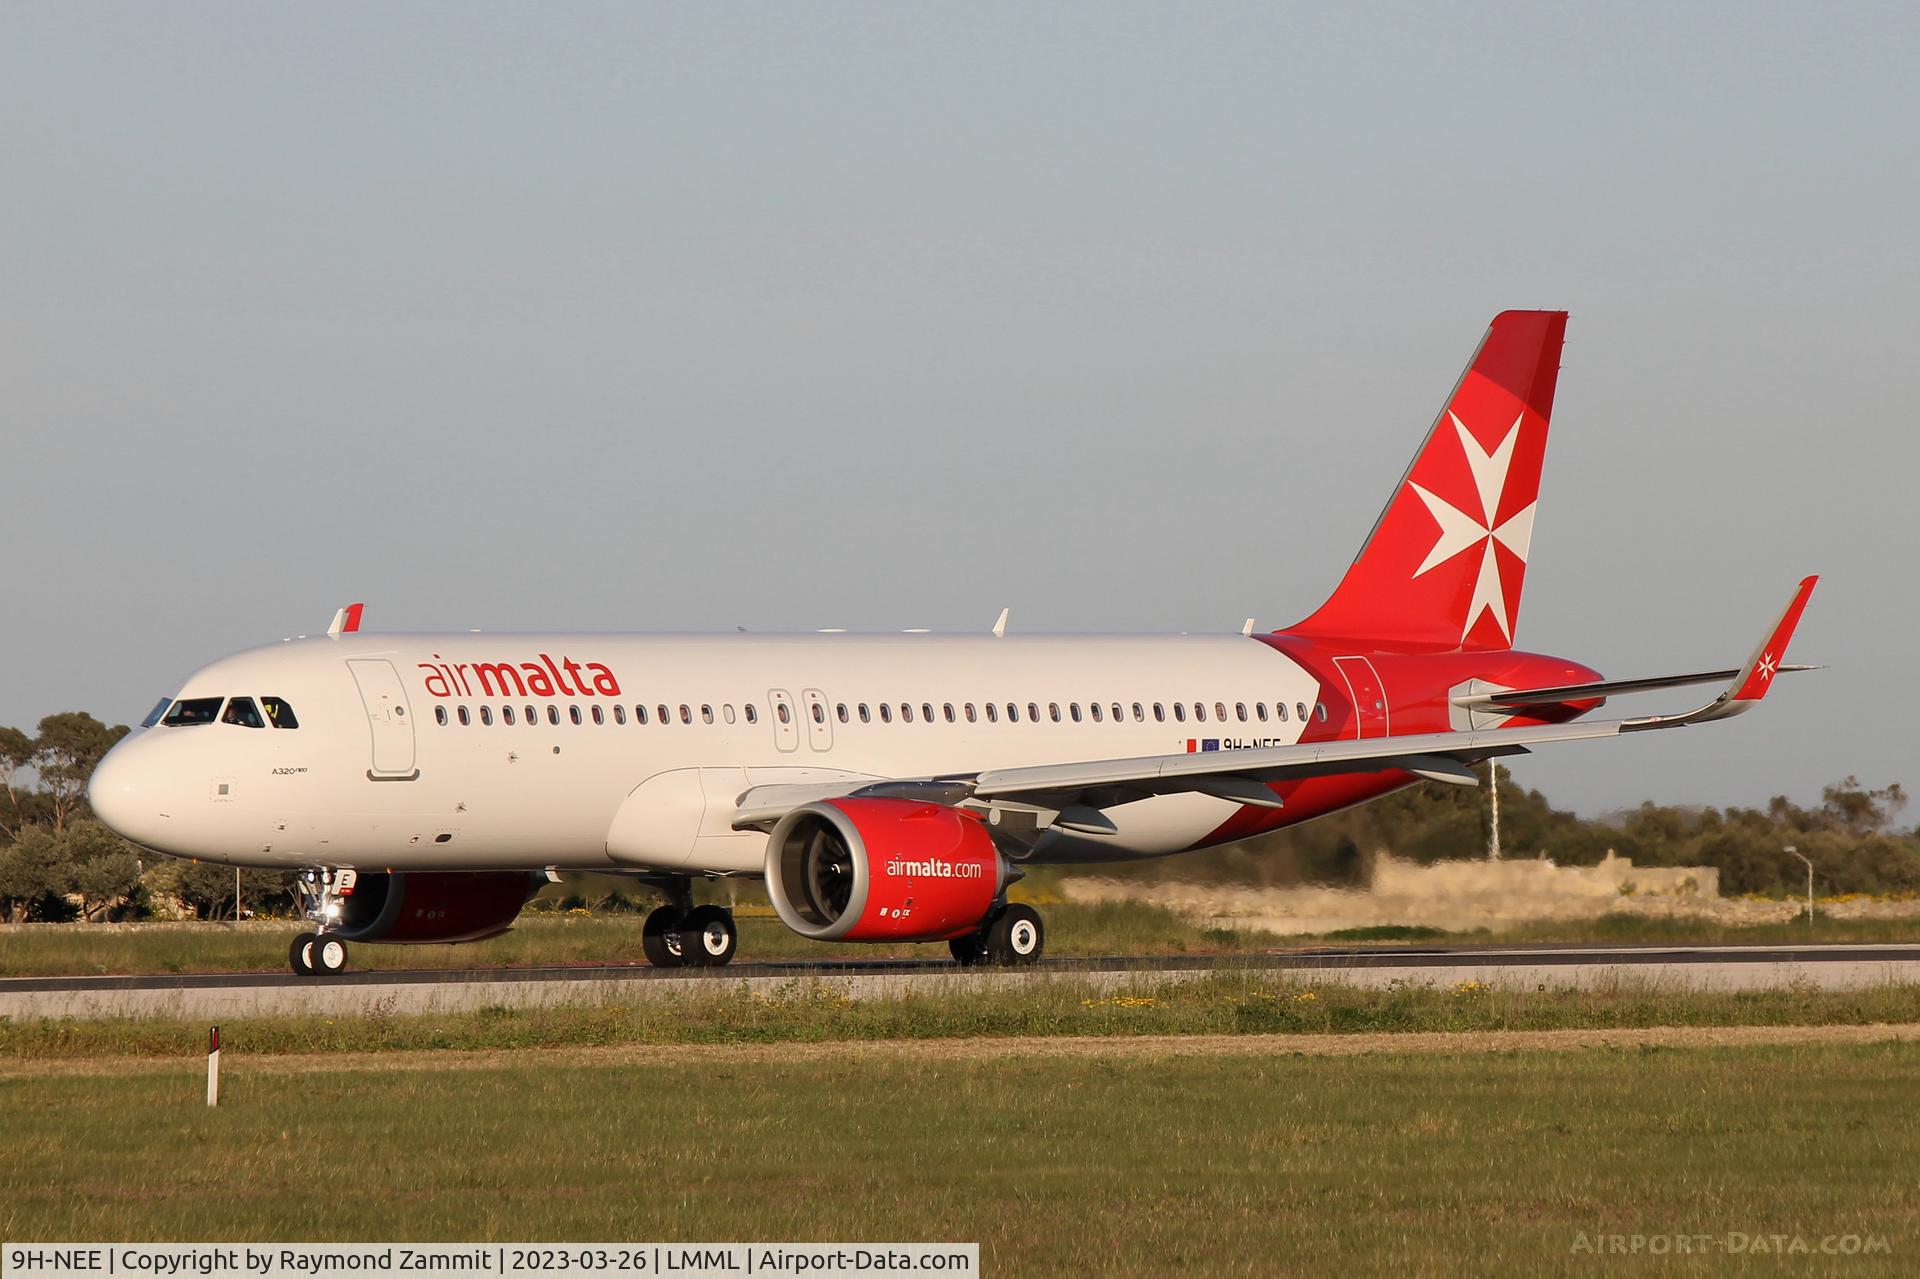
1112,928
806,1011
1453,1162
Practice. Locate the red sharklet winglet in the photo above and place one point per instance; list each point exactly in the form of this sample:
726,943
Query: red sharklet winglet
347,620
1758,675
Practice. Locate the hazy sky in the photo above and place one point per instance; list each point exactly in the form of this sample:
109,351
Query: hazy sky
689,317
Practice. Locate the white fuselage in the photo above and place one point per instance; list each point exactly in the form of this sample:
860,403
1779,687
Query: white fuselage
443,751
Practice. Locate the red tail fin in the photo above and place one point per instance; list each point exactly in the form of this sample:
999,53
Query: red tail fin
1444,564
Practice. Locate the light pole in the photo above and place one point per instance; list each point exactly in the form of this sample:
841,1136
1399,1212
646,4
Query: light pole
1796,852
1493,798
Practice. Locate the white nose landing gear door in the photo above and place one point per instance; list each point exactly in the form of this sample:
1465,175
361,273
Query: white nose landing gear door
389,718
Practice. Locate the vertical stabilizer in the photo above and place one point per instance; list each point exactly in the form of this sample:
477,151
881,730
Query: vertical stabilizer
1446,560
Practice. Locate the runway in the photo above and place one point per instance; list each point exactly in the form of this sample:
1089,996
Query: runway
1551,967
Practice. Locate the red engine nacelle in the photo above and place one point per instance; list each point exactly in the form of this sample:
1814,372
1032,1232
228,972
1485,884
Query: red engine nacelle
434,906
883,870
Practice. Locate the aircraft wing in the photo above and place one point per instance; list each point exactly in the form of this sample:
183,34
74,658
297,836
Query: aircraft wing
1242,775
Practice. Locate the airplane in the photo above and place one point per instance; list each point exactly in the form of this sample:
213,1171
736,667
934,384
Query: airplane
887,788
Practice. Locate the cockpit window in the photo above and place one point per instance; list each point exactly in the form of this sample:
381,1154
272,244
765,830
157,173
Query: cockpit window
159,709
242,711
193,710
279,714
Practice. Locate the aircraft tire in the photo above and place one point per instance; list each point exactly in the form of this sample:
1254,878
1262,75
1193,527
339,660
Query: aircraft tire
660,938
329,956
970,950
300,954
1016,937
708,937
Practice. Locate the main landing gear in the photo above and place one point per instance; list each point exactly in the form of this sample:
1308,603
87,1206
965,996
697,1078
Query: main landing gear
1010,936
682,935
318,953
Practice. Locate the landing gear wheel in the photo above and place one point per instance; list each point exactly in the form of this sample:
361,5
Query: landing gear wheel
1016,936
661,936
300,954
708,937
969,951
329,956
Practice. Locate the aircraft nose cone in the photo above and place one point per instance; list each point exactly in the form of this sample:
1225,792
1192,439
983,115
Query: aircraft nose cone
123,794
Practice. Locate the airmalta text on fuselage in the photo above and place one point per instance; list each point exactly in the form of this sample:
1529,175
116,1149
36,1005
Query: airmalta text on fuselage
542,678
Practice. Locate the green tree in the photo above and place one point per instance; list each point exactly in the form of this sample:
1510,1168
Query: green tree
65,753
32,869
16,753
101,868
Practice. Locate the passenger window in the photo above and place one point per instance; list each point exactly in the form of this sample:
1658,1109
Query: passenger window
1053,711
1013,712
948,708
780,709
666,716
1280,711
533,715
706,713
926,712
1180,712
465,719
279,714
486,716
753,713
686,713
726,712
865,716
1159,713
440,715
1033,711
553,714
1260,709
1074,710
993,713
972,717
573,713
886,713
619,714
819,713
1240,709
1118,715
1320,711
506,714
1095,708
599,715
242,711
1300,709
1220,712
906,712
639,714
1200,712
840,712
1139,713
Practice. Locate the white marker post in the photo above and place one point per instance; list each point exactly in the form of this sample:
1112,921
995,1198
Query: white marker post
213,1066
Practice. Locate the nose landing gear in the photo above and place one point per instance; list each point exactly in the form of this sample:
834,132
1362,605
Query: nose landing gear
319,953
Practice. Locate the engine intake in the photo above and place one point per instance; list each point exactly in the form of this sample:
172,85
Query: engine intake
883,870
434,906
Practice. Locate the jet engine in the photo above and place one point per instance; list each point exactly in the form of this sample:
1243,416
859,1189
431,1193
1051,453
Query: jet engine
433,906
883,870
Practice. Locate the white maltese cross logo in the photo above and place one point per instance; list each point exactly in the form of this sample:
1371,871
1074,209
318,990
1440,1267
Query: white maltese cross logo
1460,531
